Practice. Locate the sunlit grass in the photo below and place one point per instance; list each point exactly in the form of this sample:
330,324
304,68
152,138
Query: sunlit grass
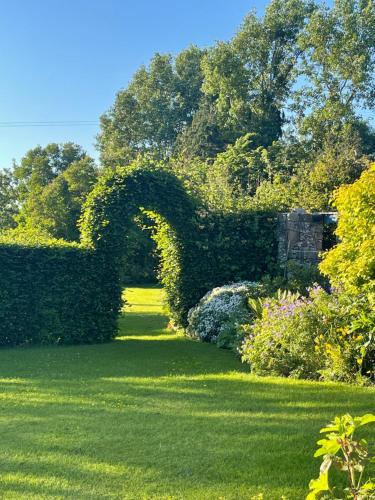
154,415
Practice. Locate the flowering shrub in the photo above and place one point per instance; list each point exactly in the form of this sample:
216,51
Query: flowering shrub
347,337
281,340
216,316
319,336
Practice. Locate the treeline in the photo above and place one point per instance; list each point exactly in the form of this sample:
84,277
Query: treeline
274,118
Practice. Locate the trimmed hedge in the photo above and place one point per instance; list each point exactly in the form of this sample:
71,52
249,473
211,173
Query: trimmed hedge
240,246
198,250
110,208
53,294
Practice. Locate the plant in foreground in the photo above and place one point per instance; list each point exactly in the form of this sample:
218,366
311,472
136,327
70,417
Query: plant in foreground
346,454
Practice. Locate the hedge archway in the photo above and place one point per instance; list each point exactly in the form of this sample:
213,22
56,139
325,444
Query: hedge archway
116,199
52,291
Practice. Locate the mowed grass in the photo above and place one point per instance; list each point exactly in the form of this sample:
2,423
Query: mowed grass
154,415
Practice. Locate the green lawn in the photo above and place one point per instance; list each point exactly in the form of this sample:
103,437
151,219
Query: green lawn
156,416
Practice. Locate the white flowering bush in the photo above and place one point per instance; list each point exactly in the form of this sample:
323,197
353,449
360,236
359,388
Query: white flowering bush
216,317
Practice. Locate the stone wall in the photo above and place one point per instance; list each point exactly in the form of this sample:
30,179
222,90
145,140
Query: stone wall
300,236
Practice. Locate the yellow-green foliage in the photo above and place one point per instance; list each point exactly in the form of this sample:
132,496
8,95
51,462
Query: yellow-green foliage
351,263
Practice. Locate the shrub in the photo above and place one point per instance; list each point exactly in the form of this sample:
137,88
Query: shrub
281,340
51,291
197,250
351,263
301,277
319,336
216,316
55,293
341,450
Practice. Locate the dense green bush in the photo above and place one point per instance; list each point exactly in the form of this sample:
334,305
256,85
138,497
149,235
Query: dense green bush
110,208
281,340
319,336
53,293
238,246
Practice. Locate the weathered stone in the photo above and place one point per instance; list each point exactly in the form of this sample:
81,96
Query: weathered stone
300,236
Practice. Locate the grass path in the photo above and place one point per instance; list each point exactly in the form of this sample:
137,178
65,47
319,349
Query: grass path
156,416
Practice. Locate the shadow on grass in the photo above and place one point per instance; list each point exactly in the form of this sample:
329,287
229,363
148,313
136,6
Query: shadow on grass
155,415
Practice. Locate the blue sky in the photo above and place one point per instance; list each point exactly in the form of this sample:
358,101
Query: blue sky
64,60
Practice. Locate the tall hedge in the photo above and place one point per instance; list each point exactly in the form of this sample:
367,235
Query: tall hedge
197,250
53,292
115,201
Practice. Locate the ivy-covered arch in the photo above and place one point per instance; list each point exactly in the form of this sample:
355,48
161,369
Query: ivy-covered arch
116,199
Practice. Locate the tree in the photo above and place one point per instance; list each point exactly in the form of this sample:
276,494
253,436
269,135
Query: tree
153,110
203,138
250,77
8,200
338,47
40,166
52,184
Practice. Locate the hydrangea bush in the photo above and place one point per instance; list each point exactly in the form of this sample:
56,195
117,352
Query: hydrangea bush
217,315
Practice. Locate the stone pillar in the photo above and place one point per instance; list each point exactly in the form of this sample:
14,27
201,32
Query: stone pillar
300,237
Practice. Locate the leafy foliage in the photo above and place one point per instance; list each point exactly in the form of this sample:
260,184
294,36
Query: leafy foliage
52,292
297,79
338,47
250,76
149,114
113,203
51,185
341,450
352,262
197,250
8,201
281,340
323,335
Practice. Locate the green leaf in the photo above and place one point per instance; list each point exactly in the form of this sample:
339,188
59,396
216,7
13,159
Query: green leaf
317,486
365,419
368,486
328,447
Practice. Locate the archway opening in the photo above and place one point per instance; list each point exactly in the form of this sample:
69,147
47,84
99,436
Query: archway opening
119,196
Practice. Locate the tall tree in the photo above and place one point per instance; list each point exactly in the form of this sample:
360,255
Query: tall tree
158,104
338,47
203,138
250,77
52,183
41,165
8,200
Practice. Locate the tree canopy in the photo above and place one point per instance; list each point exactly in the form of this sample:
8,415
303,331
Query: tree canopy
50,185
275,118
